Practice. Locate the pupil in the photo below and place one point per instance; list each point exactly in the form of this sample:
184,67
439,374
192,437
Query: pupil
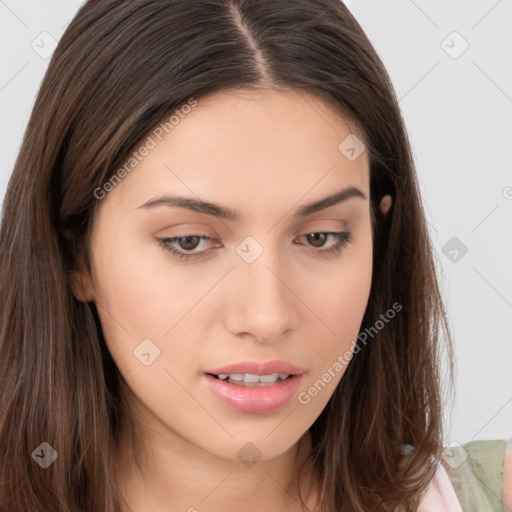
314,237
187,241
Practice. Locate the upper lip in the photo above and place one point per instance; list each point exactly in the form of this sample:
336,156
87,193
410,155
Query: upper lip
258,368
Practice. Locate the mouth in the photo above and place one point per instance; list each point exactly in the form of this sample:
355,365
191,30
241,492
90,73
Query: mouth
255,387
249,379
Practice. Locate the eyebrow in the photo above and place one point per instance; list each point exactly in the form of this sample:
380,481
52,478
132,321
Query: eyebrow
226,213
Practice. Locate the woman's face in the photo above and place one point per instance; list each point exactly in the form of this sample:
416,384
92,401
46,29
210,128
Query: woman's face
260,293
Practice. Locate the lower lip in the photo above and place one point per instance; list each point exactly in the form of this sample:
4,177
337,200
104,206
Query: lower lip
255,399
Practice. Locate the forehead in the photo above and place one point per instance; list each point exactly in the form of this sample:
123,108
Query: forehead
243,145
284,120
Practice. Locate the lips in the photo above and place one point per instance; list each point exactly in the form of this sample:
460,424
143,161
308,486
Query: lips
258,368
255,387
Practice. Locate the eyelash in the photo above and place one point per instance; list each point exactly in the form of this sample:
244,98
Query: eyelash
342,239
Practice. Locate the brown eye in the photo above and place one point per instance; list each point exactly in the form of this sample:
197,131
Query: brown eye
318,240
185,243
190,242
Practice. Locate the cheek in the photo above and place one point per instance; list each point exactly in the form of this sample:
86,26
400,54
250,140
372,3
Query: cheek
340,304
144,295
342,297
139,285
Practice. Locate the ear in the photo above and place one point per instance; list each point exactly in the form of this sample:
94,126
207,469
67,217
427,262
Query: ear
81,286
385,204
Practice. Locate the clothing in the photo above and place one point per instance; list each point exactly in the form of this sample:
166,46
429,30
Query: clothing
440,496
469,478
478,481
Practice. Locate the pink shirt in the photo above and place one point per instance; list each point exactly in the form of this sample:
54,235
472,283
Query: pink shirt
440,495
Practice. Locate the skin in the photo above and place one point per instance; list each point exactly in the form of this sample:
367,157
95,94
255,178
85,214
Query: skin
264,154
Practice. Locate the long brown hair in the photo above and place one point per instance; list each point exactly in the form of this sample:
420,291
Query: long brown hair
121,67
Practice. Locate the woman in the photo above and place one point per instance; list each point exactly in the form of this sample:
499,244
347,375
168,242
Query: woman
216,272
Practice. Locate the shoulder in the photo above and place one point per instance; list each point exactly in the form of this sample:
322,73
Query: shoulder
507,477
440,495
481,474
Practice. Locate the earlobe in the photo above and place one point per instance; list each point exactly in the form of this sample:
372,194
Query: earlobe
81,286
385,204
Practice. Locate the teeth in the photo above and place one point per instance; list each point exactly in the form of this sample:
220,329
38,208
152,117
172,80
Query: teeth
249,379
269,378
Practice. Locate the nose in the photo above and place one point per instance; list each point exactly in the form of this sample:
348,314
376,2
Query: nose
262,303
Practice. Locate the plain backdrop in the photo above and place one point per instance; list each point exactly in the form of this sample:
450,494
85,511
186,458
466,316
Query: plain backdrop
451,66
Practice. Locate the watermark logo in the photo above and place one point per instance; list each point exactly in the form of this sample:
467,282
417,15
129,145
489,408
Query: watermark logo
249,455
454,249
454,45
44,45
45,455
146,352
454,455
249,249
351,147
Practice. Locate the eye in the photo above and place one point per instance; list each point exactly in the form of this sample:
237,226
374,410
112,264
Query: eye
192,242
341,239
188,243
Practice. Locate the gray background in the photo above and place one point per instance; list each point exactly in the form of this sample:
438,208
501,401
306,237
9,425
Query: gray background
458,110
